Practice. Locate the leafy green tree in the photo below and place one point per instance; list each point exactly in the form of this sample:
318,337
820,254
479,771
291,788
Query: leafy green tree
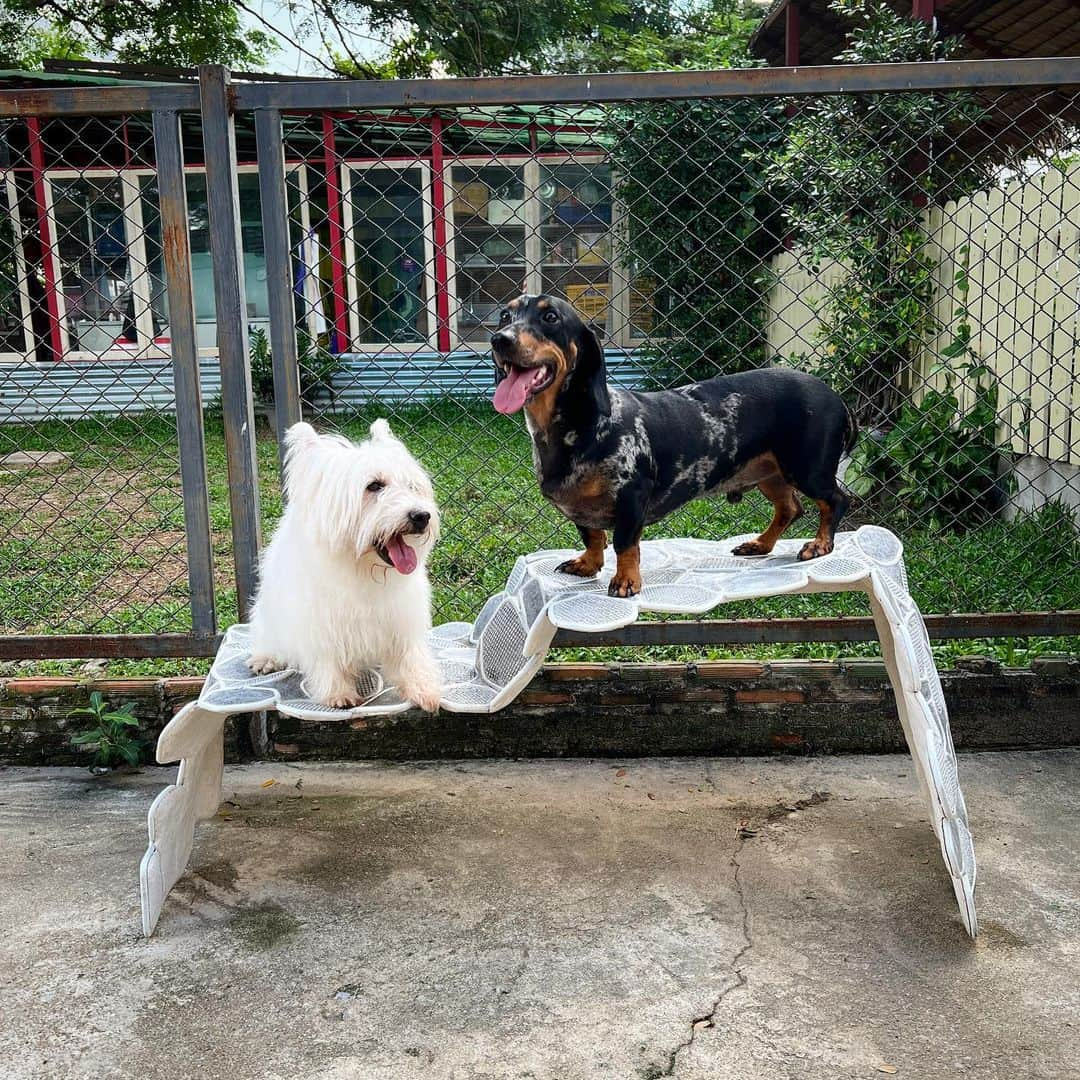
647,36
699,211
857,171
480,37
26,39
170,32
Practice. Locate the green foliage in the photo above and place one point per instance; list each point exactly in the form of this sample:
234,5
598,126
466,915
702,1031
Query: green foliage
170,32
876,318
858,171
317,367
940,461
698,202
937,462
262,365
110,733
422,38
480,37
26,39
647,36
859,165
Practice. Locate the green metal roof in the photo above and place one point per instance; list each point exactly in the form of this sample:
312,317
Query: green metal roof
13,74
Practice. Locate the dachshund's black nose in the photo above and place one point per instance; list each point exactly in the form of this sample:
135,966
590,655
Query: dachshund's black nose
419,519
502,339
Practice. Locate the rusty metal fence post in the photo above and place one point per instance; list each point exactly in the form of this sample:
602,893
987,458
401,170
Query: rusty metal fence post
270,148
176,255
223,202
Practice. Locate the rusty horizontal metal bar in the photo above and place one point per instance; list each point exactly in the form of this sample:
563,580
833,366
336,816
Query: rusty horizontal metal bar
98,100
106,646
681,632
842,628
638,86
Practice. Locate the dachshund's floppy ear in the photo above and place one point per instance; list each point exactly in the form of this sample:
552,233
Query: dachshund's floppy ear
590,371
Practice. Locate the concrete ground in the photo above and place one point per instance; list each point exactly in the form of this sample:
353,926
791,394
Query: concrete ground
772,918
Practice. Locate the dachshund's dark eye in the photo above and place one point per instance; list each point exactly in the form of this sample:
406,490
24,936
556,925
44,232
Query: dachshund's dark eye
376,485
504,317
551,316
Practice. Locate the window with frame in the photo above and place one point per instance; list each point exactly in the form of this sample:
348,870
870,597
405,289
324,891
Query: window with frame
488,206
388,254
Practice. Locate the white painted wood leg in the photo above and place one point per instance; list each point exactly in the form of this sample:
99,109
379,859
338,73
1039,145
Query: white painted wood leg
197,737
920,704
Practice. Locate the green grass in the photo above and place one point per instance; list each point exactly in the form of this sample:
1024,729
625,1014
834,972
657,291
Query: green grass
98,546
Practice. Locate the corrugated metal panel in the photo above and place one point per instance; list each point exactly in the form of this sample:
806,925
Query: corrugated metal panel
30,393
40,392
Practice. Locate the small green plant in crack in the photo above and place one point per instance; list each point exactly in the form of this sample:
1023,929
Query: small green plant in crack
110,733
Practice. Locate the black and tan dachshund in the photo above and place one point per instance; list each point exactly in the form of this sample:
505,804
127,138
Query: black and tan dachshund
620,460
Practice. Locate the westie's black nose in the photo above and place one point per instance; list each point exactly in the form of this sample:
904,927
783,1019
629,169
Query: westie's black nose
502,339
419,520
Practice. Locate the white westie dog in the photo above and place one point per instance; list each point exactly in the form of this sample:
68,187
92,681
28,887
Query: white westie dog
343,585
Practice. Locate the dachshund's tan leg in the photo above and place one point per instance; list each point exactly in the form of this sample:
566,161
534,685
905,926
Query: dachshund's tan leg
588,563
822,544
786,509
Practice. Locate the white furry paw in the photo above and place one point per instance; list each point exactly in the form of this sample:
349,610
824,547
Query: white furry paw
346,699
261,664
426,697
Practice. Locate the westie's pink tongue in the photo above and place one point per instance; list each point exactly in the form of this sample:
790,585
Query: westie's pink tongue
511,393
401,555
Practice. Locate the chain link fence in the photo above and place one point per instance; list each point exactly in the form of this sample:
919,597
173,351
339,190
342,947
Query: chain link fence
918,249
92,529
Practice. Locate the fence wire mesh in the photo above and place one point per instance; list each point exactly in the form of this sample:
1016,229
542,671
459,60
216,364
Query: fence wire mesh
919,251
91,509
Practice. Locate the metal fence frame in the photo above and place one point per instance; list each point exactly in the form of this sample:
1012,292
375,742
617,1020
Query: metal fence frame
165,104
218,100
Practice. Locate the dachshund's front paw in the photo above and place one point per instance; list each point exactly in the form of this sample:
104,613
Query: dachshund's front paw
751,547
624,585
814,549
583,566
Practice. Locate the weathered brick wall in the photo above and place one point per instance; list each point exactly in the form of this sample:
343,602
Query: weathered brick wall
725,707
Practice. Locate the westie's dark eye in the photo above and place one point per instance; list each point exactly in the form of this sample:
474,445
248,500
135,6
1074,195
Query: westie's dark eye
376,485
551,316
504,317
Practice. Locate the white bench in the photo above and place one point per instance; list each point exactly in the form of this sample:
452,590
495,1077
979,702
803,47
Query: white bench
486,664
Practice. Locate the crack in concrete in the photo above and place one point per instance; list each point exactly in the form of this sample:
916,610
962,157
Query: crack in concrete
706,1020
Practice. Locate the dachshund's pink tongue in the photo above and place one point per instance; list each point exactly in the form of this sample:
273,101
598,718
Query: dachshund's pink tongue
511,393
401,555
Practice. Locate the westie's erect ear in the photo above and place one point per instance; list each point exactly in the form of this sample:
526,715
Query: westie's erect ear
299,435
380,429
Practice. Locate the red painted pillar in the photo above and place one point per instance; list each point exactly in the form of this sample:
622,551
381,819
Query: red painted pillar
791,35
52,285
923,9
438,214
337,245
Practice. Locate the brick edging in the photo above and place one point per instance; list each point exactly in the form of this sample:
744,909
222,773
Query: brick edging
711,707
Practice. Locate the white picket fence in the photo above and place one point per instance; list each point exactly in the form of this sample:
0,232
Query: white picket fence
1022,244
